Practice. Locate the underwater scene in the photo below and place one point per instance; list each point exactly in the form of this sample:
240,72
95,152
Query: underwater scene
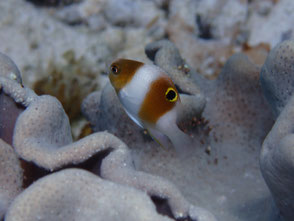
146,110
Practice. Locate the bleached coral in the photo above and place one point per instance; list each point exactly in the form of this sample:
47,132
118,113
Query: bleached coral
42,136
11,176
75,194
277,155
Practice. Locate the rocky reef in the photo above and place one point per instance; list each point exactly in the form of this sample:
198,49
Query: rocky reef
69,151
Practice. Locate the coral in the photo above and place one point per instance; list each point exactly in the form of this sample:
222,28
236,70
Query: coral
204,32
238,97
36,38
276,159
42,136
9,110
11,176
273,26
224,27
9,69
257,54
124,33
237,120
75,194
276,76
69,83
225,111
131,13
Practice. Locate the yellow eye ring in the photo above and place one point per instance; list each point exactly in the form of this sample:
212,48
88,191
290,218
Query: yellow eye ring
171,95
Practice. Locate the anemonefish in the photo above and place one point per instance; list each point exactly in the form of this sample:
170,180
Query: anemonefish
150,99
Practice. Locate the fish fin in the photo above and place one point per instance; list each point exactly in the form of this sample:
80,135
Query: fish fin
159,137
182,142
133,118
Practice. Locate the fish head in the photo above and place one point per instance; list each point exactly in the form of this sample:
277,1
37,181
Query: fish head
121,72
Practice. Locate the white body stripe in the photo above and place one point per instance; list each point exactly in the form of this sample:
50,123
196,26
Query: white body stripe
133,94
167,125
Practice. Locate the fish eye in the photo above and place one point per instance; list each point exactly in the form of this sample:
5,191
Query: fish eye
114,69
171,95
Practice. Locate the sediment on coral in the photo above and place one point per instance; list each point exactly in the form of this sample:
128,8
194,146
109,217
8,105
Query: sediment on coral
243,113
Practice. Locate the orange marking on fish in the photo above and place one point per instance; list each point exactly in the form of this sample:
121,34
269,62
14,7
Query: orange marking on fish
155,103
126,69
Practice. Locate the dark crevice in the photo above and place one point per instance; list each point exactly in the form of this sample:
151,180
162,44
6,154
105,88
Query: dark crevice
52,3
204,28
187,219
181,91
75,23
93,164
163,208
165,8
31,173
151,53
